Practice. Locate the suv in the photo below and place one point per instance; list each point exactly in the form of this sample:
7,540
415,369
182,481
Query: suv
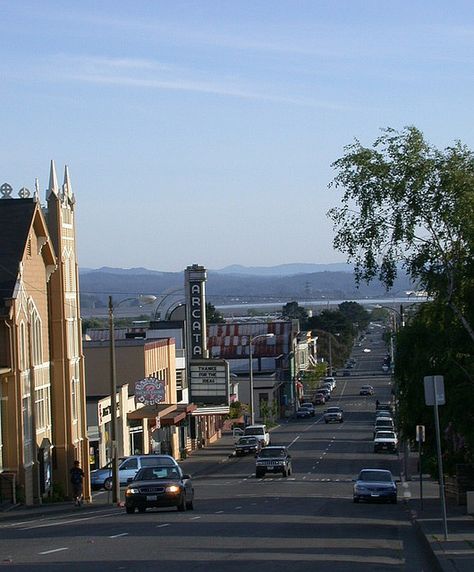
128,468
259,431
333,415
274,459
384,424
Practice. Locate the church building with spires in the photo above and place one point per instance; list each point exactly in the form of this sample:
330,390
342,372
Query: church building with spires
43,427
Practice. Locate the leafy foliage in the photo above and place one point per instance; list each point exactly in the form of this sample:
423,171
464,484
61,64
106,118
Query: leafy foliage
405,202
294,311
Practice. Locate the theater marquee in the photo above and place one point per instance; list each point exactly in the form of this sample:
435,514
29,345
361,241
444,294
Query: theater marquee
209,381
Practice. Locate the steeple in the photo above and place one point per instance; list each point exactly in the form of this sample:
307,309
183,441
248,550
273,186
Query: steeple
67,187
53,187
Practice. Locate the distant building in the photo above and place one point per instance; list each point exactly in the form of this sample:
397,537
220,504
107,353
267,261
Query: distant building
42,397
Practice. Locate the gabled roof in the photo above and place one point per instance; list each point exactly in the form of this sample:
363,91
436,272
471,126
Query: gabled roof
16,219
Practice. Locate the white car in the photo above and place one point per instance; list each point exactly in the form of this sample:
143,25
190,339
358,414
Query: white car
385,441
259,431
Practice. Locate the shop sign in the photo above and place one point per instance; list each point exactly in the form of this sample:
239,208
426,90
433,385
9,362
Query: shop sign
150,391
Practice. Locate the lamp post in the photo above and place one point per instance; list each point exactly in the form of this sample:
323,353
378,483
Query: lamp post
148,299
251,341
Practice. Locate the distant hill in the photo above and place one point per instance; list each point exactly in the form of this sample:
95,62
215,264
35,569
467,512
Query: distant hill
286,269
227,287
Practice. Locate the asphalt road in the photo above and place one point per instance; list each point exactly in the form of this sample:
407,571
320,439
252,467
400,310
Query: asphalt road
304,522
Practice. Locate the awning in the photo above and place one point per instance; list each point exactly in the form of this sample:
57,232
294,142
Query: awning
151,411
169,414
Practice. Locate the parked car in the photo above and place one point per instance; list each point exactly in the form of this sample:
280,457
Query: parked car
384,407
273,459
333,415
303,413
260,431
128,468
157,487
366,390
375,485
331,380
247,445
309,406
319,399
325,392
384,424
385,441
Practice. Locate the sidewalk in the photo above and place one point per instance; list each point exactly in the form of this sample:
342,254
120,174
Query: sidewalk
455,554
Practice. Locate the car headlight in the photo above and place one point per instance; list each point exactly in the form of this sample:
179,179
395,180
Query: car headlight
174,489
132,491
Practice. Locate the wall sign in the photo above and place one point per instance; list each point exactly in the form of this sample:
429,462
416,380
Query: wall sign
150,391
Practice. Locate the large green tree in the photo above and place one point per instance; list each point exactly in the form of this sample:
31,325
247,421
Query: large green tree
406,203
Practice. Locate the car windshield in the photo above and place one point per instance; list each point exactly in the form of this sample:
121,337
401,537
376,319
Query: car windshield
333,410
268,452
156,473
247,441
254,431
376,476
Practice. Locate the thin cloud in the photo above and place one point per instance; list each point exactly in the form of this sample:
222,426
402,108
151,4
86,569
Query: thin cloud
143,74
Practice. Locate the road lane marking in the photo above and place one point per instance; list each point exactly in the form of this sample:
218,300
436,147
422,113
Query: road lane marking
52,551
195,518
219,512
294,441
61,522
162,525
119,535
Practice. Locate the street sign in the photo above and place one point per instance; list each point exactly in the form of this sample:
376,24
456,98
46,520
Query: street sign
420,433
434,384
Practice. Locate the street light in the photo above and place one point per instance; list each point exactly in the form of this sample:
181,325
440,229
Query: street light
143,300
251,341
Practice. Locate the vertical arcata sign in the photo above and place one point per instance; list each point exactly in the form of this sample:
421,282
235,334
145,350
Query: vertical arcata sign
195,280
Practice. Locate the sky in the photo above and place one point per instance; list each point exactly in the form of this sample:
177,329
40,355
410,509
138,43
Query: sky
204,131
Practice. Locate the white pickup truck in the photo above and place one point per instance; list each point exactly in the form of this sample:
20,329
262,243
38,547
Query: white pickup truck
260,431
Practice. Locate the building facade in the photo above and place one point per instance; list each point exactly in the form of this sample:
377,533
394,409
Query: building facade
42,413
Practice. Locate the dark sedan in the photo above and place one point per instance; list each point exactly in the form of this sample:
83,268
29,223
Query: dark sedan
247,445
375,485
159,487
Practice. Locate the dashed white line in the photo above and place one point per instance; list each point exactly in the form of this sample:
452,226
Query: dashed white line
195,518
219,512
52,551
119,535
162,525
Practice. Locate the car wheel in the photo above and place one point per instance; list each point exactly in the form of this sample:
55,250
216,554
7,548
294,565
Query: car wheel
341,421
108,484
129,509
285,472
141,509
326,421
182,504
259,474
356,499
394,501
190,505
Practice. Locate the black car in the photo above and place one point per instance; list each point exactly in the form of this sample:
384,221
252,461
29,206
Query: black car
273,459
158,487
247,445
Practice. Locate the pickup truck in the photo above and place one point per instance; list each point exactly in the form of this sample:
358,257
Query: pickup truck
260,431
385,441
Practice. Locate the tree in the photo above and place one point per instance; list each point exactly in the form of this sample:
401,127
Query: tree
213,316
294,311
355,313
407,203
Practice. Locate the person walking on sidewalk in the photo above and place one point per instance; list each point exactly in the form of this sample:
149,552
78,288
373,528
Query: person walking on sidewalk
77,477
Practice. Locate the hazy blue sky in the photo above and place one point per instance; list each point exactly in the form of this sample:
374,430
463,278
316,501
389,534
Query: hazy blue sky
204,131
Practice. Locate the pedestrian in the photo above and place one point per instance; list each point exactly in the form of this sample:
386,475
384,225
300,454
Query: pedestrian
77,477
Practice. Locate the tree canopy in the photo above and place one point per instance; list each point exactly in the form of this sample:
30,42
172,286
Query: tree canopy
407,204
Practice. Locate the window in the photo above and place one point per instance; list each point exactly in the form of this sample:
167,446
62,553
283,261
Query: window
23,349
129,465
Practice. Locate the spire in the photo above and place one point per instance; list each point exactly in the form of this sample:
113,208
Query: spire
67,183
53,181
37,190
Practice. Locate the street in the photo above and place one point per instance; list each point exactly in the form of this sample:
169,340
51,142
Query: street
303,522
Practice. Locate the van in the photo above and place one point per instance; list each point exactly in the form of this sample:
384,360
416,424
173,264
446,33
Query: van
259,431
